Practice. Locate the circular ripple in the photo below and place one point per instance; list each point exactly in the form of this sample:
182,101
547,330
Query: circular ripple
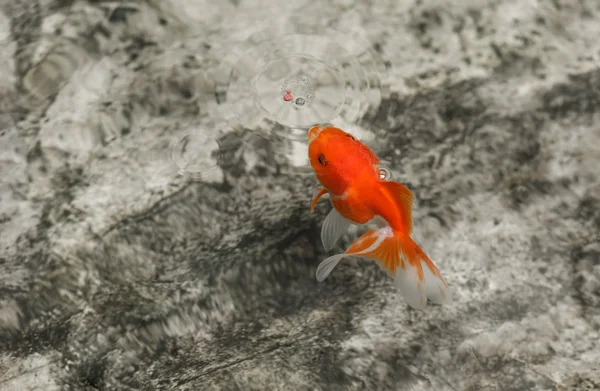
55,61
327,73
317,91
196,153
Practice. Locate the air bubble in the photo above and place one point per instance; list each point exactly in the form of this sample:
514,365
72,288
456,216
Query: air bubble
300,101
385,174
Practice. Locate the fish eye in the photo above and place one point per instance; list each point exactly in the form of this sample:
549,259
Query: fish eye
322,160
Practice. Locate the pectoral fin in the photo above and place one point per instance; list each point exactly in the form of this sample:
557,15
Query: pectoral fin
322,192
334,227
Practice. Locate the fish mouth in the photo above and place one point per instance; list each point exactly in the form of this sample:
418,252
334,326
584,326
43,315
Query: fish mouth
314,132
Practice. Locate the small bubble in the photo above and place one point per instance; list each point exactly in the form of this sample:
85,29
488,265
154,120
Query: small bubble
385,174
300,101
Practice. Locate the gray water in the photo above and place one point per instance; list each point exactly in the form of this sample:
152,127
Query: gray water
155,225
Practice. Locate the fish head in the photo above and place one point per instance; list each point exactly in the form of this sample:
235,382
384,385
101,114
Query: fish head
330,149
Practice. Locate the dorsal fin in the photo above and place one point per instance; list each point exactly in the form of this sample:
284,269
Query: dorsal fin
403,198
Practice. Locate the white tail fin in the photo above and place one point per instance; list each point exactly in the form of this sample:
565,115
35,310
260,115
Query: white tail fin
414,274
327,266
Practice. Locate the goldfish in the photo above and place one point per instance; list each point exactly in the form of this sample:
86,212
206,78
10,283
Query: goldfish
347,171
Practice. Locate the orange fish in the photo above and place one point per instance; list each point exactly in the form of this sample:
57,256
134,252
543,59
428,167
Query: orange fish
346,168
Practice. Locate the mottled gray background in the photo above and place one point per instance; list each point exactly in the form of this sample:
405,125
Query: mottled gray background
117,272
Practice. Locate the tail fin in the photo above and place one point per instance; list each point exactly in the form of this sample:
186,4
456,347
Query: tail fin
414,274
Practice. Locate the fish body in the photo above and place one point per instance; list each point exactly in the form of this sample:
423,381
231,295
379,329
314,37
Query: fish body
347,171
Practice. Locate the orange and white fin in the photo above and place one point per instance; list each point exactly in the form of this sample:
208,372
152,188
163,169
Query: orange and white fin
414,274
420,279
403,198
361,247
322,192
334,227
